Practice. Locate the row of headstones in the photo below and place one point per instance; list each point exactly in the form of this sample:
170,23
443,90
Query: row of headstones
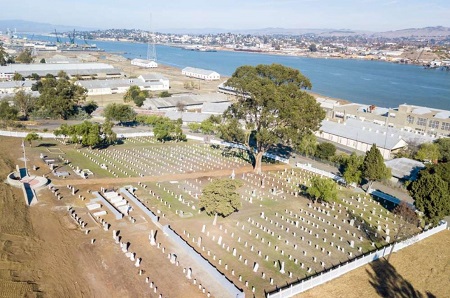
108,161
82,224
222,245
179,198
55,192
302,238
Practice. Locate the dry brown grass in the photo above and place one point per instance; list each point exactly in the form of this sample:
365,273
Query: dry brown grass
421,270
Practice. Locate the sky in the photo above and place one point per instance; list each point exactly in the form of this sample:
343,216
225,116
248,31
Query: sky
370,15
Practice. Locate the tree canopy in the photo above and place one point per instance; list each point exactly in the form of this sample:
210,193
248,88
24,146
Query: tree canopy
221,197
119,112
25,57
7,112
59,97
308,144
273,107
3,56
32,136
374,168
325,150
428,152
24,102
88,133
444,149
322,189
136,95
352,169
431,196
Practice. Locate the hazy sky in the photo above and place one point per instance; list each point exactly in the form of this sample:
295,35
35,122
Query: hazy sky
375,15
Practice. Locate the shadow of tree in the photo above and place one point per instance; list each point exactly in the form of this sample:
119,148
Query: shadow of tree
389,283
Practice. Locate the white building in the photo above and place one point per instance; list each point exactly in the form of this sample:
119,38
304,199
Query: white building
83,70
149,82
360,136
198,73
144,63
11,87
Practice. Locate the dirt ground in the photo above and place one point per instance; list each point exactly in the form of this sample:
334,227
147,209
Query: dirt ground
421,270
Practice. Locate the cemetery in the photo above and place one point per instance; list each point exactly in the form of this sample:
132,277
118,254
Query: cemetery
278,236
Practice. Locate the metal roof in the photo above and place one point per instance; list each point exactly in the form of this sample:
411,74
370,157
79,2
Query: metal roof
91,84
16,84
405,168
153,76
188,100
44,67
205,72
187,116
356,130
215,107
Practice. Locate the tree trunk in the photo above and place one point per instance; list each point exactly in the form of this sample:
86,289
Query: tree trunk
258,162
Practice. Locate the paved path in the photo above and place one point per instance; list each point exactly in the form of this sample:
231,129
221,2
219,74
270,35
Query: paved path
162,178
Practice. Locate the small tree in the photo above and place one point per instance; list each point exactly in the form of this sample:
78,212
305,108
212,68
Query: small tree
32,136
181,106
24,102
119,112
165,94
374,168
220,197
42,60
25,57
428,152
17,77
352,169
131,93
407,224
322,189
7,112
325,150
308,145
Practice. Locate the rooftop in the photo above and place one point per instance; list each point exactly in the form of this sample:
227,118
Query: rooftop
405,168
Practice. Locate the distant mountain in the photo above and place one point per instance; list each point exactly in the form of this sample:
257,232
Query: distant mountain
428,32
36,27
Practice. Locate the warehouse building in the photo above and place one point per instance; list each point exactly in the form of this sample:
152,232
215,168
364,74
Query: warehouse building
202,74
149,82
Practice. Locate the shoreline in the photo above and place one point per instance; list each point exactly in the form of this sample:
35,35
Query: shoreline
275,53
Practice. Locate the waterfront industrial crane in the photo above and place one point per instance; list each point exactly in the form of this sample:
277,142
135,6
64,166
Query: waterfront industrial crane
72,37
58,40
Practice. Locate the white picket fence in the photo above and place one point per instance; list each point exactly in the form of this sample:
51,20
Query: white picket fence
325,276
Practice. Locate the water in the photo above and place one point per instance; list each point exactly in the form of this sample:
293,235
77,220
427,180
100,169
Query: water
368,82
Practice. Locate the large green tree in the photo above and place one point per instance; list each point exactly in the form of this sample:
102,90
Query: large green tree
431,196
374,168
322,189
273,107
59,97
220,197
166,130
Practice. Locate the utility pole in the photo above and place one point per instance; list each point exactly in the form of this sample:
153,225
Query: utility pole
24,157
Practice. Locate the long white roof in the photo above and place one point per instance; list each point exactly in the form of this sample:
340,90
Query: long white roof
39,67
201,71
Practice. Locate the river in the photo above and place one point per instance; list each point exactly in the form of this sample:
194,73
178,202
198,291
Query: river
368,82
